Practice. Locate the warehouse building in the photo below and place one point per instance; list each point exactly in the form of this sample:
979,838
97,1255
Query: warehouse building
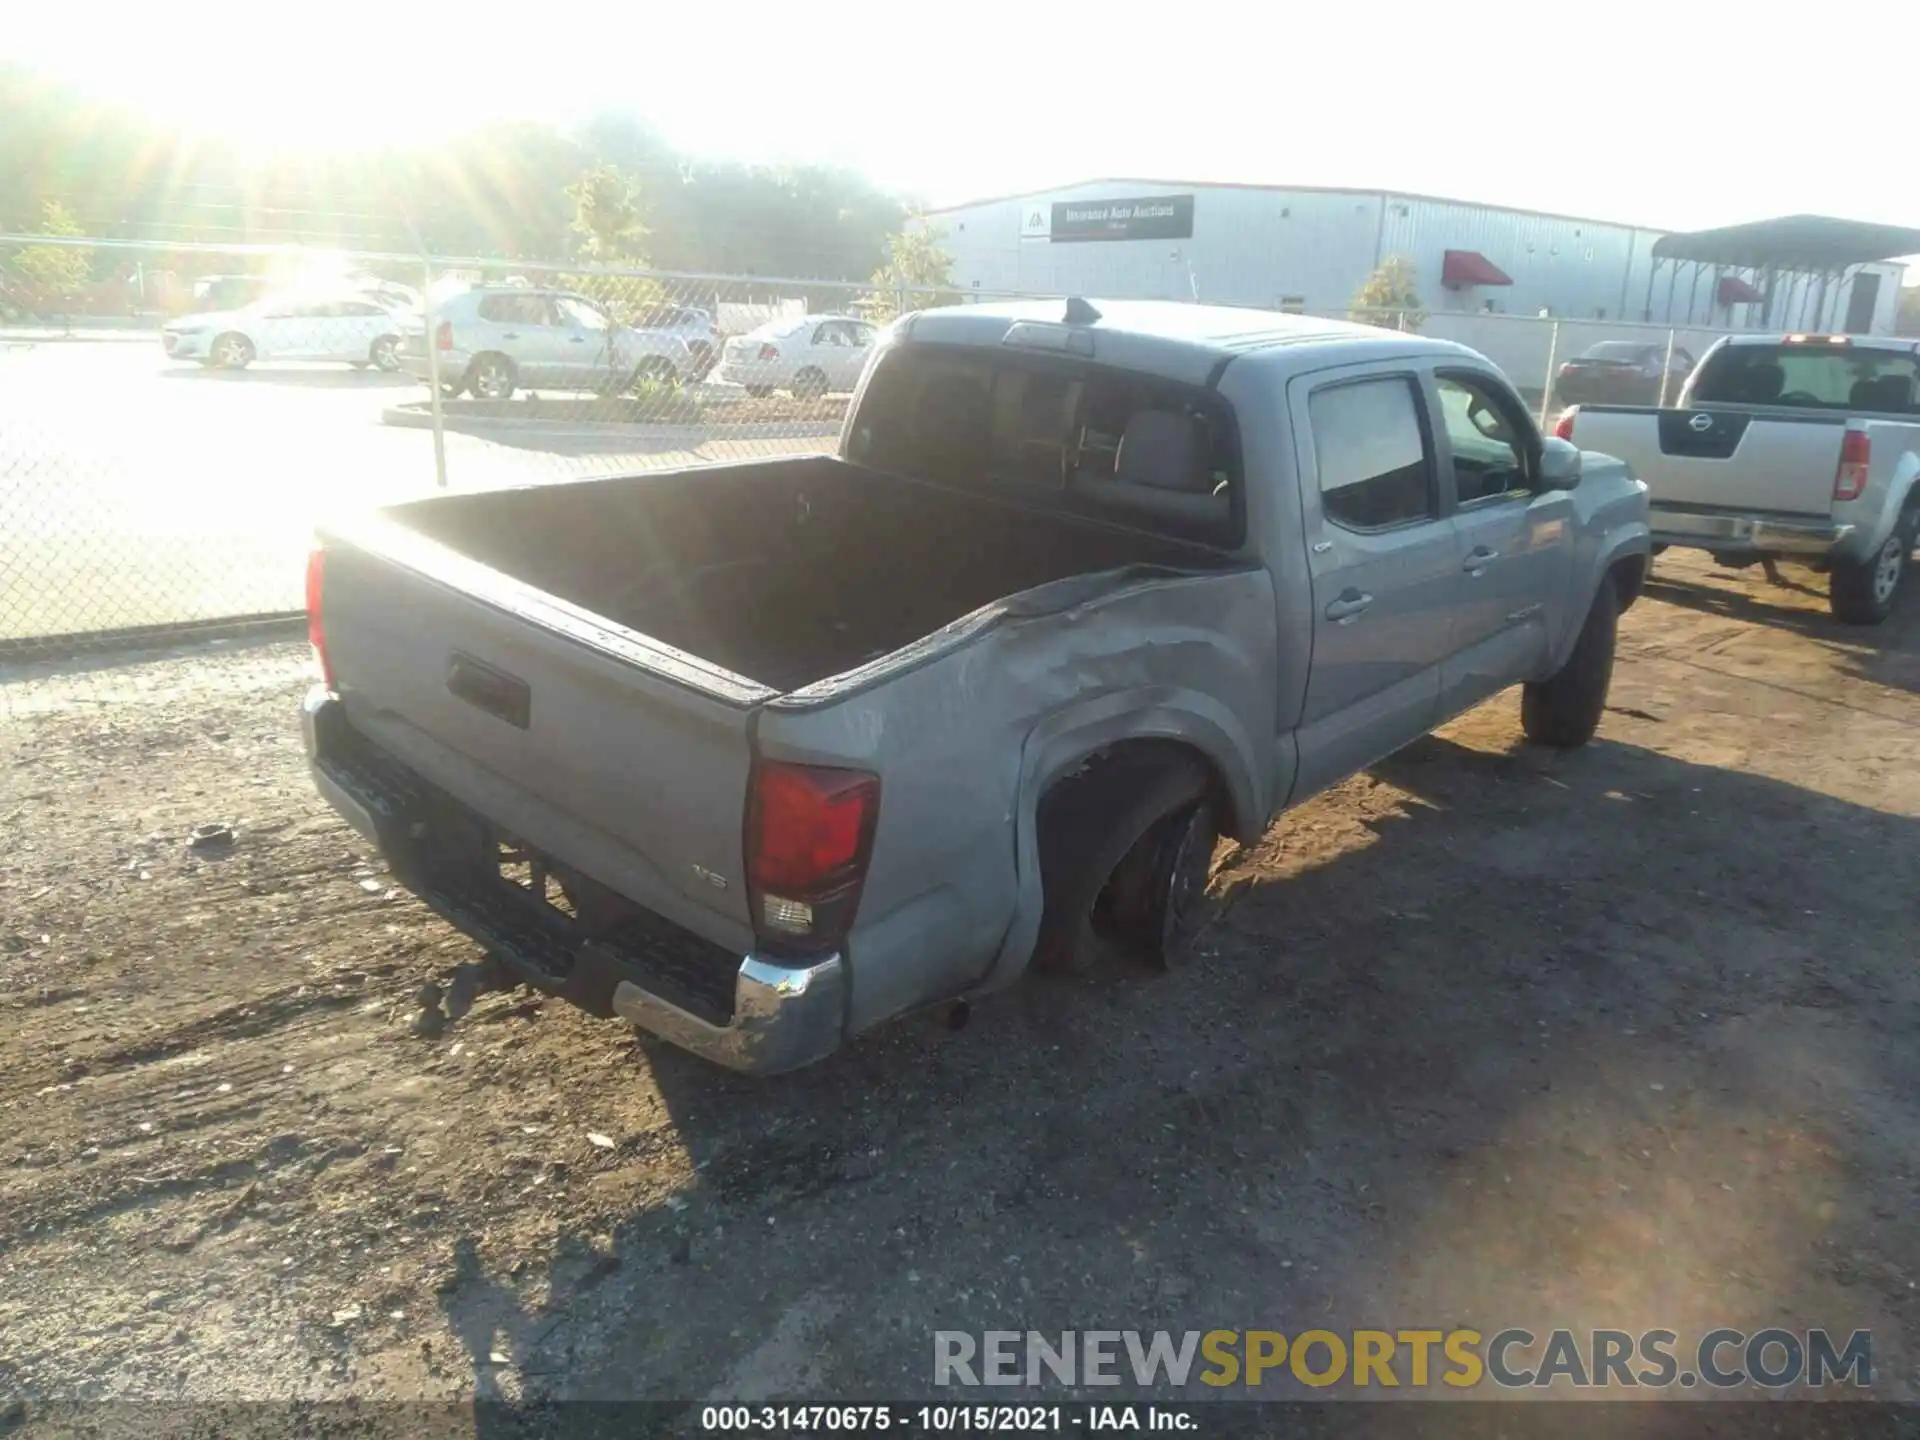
1311,249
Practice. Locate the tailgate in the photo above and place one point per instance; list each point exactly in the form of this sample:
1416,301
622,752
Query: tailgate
620,757
1721,459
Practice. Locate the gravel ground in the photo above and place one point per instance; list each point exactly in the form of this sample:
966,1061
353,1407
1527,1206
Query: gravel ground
1487,1036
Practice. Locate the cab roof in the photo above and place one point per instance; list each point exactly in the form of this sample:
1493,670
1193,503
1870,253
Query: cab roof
1178,340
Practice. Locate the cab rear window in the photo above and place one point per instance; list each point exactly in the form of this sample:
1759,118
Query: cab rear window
1815,375
1113,444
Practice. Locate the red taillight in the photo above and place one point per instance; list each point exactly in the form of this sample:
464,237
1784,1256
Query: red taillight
809,835
1563,427
443,335
316,627
1856,451
769,352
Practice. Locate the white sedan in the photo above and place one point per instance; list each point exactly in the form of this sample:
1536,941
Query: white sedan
809,355
356,330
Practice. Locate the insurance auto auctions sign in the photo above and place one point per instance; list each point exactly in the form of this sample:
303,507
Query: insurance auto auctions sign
1149,217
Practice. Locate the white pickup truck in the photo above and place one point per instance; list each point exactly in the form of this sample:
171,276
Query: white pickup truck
1803,445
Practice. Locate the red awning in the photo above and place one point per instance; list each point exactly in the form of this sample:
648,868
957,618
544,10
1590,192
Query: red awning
1461,268
1732,290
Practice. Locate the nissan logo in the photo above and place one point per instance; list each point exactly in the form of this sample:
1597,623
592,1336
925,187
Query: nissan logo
1701,423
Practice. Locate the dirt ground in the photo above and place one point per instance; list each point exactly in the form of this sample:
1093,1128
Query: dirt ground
1488,1036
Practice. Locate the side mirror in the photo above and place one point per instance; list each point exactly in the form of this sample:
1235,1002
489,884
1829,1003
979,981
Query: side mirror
1559,463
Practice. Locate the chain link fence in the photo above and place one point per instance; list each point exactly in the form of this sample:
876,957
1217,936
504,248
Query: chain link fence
163,465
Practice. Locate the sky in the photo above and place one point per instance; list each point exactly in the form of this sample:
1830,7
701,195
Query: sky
1661,115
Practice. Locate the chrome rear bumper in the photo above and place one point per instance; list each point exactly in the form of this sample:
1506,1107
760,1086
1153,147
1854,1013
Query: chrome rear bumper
1736,533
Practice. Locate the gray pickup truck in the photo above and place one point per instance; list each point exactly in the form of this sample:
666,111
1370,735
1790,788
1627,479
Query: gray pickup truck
757,756
1784,445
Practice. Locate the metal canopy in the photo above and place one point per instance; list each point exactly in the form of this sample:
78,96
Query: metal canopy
1799,242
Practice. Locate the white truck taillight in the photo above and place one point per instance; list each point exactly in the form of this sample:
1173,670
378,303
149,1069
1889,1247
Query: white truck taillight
809,838
1856,452
316,627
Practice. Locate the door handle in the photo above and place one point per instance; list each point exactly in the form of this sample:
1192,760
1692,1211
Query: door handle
510,335
1349,605
578,339
1480,558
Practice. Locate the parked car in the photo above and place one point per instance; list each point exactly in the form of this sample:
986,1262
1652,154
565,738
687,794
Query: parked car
809,355
759,755
1622,372
1802,445
494,339
356,330
695,329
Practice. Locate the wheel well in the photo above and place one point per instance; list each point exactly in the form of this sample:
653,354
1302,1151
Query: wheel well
1627,575
1093,813
1093,816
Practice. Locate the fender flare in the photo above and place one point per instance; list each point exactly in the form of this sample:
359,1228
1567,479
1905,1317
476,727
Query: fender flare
1062,743
1630,539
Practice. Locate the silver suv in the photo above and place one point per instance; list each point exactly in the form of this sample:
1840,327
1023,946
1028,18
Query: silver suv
495,339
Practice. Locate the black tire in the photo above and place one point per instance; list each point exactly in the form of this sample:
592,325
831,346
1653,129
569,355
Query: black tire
809,384
1565,710
1863,592
230,351
1089,824
657,370
492,377
1154,899
385,354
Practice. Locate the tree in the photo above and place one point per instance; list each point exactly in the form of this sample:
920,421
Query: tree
1389,297
53,275
607,221
606,217
917,276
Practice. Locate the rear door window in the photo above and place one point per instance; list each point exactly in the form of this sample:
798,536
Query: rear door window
1108,443
516,310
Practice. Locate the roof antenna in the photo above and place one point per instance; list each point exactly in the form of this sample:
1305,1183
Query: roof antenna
1079,312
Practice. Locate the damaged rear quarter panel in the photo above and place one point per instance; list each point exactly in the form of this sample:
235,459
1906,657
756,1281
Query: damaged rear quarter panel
967,728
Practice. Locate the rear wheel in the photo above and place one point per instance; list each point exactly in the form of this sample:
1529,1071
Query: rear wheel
1565,710
231,351
1862,592
655,370
1156,893
492,378
809,384
1124,850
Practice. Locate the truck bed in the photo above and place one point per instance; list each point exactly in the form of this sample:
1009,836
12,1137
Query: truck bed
783,572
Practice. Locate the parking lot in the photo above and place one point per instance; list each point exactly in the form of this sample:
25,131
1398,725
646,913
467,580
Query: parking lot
136,490
1488,1036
